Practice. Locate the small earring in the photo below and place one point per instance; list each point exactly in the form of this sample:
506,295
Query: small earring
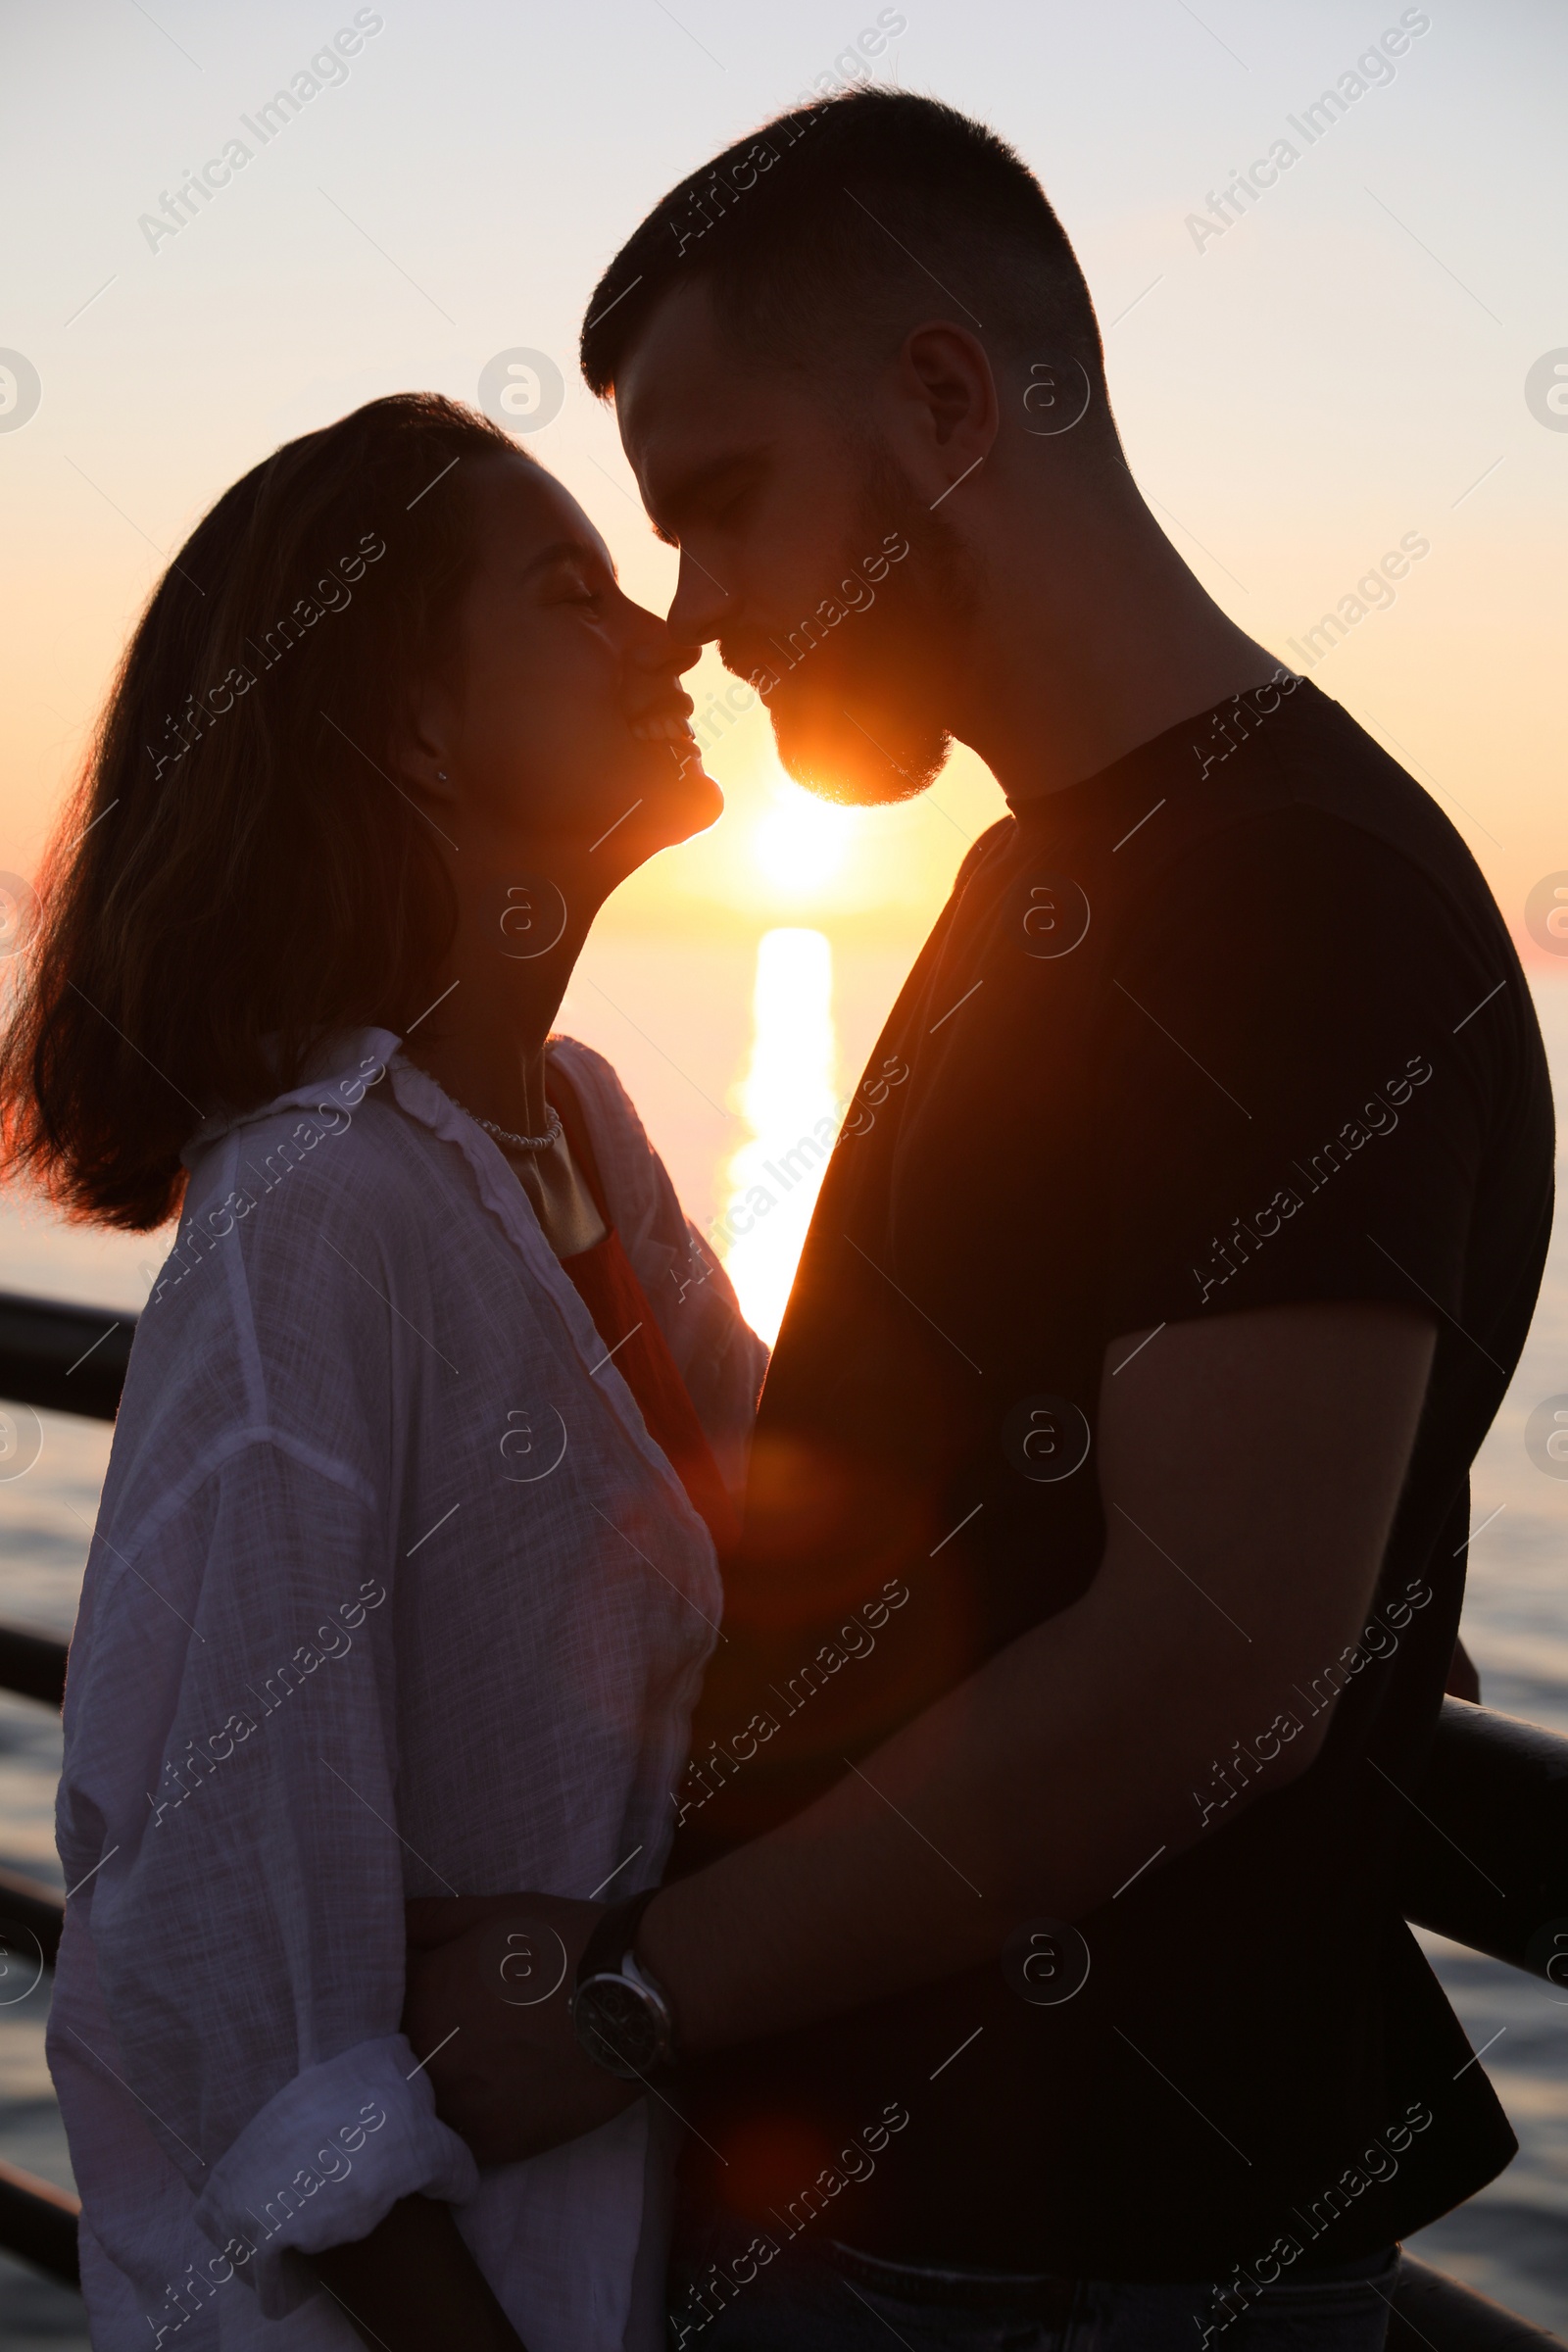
441,775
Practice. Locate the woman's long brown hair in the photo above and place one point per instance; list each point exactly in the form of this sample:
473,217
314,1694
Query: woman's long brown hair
240,872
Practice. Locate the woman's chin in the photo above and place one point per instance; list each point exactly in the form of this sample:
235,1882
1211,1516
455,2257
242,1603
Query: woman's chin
681,810
686,804
707,799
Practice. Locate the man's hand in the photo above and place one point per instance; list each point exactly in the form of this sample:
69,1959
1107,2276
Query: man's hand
489,1983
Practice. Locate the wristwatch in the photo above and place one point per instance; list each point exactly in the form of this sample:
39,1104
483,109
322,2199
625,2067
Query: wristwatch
622,2015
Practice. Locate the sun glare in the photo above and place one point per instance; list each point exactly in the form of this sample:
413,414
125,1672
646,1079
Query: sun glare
800,843
788,1101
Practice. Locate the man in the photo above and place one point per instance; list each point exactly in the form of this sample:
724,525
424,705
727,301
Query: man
1036,1953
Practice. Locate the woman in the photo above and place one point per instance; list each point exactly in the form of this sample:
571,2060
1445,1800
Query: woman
405,1571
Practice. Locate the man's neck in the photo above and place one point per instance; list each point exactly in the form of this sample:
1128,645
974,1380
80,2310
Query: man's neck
1090,652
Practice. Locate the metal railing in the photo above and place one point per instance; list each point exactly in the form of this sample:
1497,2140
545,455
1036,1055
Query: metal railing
37,2220
1493,1784
61,1360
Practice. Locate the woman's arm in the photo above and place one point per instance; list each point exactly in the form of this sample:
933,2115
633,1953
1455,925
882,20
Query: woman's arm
232,1752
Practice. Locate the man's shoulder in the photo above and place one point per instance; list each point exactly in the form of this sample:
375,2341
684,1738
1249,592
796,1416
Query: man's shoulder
1306,780
992,842
1267,793
1322,921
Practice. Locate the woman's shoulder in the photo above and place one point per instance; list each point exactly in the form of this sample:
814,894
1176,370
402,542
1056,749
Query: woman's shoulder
311,1253
640,1192
594,1081
295,1172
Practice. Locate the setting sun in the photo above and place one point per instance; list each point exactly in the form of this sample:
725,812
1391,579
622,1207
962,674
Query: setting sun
800,843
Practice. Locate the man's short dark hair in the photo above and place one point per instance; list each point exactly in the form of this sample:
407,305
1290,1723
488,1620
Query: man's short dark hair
836,224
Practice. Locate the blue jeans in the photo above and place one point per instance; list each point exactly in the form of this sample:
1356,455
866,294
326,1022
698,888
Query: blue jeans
831,2299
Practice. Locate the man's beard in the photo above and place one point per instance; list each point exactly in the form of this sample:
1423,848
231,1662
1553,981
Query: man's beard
860,715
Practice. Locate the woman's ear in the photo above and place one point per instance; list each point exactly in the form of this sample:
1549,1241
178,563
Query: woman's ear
423,752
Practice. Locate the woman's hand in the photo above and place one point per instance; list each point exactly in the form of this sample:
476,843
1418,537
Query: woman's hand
412,2283
487,2006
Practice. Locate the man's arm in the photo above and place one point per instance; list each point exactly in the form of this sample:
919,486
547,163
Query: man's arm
1250,1468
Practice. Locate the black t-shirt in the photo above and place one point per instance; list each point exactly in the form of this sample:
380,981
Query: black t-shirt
1232,1024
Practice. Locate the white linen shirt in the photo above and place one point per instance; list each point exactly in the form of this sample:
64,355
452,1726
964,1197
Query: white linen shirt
391,1593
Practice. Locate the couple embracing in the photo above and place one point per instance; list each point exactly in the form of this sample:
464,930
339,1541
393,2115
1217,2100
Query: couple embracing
576,1832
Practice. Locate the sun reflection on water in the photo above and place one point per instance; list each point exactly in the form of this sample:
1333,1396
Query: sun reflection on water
789,1101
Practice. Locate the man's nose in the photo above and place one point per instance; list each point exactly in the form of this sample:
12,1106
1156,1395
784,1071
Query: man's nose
701,605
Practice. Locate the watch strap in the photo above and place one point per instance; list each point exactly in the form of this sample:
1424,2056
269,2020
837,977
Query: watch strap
613,1938
607,1961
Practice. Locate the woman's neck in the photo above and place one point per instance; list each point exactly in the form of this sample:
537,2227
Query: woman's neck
488,1056
483,1039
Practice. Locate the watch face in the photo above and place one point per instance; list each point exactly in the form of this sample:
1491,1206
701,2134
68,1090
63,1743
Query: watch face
618,2026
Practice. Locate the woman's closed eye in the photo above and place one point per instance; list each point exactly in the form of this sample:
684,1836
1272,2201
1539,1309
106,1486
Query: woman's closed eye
573,587
573,577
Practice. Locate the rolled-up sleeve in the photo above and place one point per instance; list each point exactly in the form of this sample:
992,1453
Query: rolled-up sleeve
304,2178
246,1907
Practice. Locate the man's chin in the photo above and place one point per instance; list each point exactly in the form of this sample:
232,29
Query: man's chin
859,764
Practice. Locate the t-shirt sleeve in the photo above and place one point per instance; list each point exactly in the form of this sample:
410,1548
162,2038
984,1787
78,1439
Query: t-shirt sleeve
1294,1105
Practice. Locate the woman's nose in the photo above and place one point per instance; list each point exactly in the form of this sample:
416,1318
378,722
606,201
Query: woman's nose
659,651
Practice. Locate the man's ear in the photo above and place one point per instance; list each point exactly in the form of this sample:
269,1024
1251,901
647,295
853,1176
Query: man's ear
949,402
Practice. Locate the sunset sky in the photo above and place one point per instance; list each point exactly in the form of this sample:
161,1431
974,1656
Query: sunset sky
1304,379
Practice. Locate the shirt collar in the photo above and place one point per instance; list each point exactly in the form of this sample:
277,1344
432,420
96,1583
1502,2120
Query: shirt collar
334,1080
